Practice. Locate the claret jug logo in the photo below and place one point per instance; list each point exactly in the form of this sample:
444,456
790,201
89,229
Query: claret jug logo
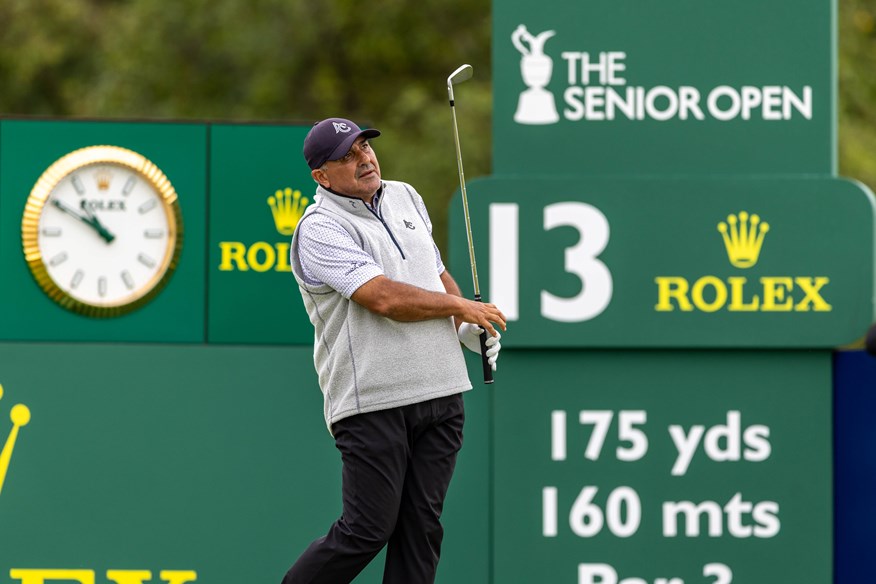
743,235
20,416
536,105
287,206
599,85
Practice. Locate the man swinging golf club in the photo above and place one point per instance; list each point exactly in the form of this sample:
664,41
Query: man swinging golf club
388,321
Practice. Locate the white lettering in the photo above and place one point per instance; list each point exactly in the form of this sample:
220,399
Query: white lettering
573,96
615,67
714,108
721,443
743,518
730,433
686,447
802,105
751,98
772,101
594,98
756,438
672,103
689,102
626,104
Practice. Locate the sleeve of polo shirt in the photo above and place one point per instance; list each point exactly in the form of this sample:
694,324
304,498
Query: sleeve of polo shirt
331,256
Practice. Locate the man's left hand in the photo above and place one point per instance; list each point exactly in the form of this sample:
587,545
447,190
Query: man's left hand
470,336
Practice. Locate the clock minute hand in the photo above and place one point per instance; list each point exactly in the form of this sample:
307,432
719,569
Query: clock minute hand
70,211
90,221
95,222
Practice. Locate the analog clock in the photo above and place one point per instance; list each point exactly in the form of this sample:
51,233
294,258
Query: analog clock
102,231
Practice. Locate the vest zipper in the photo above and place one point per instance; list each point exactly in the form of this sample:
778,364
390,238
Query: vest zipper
388,230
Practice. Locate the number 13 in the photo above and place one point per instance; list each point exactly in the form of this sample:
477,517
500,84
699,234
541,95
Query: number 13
580,260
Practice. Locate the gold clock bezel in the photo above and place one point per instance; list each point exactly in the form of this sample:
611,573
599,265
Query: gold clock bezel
39,195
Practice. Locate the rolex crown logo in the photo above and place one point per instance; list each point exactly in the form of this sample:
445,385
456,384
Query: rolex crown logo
287,207
743,238
20,416
103,177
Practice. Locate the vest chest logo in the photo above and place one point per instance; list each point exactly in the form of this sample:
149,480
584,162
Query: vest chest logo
287,207
743,235
409,224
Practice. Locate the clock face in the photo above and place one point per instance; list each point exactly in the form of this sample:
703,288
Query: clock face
101,231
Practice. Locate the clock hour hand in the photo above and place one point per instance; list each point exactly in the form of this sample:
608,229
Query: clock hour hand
90,220
95,222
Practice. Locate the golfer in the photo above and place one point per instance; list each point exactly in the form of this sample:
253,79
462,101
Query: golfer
388,321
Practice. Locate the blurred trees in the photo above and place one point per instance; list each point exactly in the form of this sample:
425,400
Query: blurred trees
857,90
383,63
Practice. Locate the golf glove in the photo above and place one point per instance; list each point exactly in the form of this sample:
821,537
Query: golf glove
470,336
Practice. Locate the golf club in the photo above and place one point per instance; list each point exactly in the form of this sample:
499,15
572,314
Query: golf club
463,73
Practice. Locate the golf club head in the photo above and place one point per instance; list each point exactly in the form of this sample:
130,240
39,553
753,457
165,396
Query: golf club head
463,73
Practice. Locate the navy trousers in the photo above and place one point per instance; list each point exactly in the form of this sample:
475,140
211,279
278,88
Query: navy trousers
397,465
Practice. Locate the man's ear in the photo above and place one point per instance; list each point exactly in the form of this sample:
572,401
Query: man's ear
320,177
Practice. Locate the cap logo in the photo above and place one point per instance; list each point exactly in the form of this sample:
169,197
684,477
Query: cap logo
341,127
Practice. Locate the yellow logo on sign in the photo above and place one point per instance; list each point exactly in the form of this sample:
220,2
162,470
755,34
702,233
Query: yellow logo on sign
20,416
743,236
287,207
742,239
43,576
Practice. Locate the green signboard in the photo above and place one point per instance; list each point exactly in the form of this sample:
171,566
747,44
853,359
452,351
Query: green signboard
143,463
259,188
27,150
599,262
661,88
241,190
671,468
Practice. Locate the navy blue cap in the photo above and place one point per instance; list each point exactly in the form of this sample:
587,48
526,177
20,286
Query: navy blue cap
331,139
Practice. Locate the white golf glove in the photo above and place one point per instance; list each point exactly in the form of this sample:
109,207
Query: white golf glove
470,335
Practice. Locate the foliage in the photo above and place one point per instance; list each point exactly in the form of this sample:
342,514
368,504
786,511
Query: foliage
382,63
857,102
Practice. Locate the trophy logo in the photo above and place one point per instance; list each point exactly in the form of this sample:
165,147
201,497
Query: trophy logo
536,105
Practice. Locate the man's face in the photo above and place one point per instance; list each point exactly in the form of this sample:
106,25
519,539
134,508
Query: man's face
357,174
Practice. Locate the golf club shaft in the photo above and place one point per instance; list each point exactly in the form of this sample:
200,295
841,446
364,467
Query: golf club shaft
487,368
471,252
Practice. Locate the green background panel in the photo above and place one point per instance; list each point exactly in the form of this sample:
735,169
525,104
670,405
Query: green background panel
248,164
668,227
212,459
682,42
179,150
683,388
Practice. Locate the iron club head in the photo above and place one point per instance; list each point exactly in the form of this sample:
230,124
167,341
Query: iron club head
462,73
